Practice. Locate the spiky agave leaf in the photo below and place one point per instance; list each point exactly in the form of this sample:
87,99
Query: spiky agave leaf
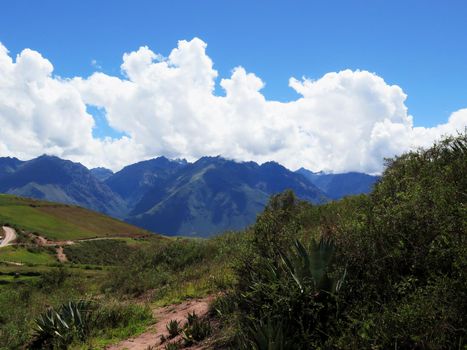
312,264
267,335
63,323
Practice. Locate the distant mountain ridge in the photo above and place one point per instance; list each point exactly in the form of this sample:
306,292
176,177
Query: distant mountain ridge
214,194
336,186
173,197
54,179
135,180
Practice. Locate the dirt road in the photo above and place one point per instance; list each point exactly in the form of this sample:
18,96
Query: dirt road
10,236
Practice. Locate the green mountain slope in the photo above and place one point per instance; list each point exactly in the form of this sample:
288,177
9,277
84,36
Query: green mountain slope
61,222
53,179
215,194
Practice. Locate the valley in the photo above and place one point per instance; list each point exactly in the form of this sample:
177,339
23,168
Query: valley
233,175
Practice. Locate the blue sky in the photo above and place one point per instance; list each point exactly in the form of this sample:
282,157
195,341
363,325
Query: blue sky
418,45
337,115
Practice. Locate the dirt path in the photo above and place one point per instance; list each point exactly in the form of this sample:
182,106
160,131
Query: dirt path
12,263
42,241
10,235
61,255
151,338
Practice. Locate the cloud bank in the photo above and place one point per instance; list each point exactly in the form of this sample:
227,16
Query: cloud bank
347,120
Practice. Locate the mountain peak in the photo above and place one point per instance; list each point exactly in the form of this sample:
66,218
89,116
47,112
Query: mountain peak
101,173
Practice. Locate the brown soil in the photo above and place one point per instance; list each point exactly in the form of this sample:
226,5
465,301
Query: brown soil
151,339
43,242
10,236
61,255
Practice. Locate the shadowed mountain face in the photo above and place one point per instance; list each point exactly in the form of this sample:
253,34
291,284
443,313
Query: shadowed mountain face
54,179
336,186
136,180
214,194
101,174
8,165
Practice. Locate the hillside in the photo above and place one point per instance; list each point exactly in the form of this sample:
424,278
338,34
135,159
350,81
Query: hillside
214,195
61,222
54,179
136,180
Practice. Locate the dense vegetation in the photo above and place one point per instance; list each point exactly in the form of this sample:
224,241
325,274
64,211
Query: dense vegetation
381,271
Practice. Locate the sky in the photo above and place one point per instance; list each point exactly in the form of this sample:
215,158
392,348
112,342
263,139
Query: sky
327,85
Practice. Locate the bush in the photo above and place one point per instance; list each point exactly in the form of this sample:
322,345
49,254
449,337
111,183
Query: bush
394,276
74,322
407,256
59,328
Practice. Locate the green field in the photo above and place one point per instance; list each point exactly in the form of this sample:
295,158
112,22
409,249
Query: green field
24,256
61,222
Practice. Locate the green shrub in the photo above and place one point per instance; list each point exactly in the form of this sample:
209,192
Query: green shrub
394,276
99,252
115,314
53,278
75,322
58,328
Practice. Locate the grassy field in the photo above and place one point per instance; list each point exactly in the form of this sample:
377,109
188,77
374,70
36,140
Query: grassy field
32,279
61,222
25,256
106,251
125,271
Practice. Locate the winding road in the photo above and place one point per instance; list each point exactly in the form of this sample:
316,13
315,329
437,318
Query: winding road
10,236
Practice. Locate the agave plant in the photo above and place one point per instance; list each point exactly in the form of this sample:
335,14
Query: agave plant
58,328
196,329
173,327
191,318
266,335
312,265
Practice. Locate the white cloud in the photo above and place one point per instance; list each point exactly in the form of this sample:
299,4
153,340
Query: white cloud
348,120
40,114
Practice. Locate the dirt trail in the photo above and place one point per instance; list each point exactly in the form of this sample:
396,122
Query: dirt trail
61,255
151,338
10,235
42,241
12,263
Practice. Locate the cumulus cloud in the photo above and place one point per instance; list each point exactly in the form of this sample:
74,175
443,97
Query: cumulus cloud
348,120
40,114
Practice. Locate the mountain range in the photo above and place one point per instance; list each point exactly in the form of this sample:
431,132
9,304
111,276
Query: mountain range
175,197
337,186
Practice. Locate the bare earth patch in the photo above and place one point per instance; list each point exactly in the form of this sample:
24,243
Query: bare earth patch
152,337
10,236
61,255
